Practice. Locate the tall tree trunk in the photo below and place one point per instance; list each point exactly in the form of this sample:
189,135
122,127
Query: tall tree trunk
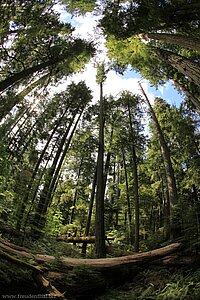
18,77
73,50
19,97
29,189
36,187
99,220
191,97
183,87
118,193
130,224
169,171
113,198
107,163
18,119
45,197
175,39
183,65
54,181
76,192
88,222
135,184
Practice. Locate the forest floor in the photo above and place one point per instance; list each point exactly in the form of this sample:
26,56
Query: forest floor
159,283
145,282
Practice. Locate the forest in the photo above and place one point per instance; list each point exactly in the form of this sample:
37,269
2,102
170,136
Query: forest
99,198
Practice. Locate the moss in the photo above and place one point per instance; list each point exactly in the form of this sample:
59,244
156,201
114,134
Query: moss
16,280
81,283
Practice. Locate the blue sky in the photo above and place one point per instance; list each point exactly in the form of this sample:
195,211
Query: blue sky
85,28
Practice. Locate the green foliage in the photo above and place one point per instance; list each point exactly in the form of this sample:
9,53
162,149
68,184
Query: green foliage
101,73
159,284
145,16
142,58
54,221
78,7
12,275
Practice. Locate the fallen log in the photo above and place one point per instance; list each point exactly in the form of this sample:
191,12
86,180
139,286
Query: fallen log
89,275
81,239
101,263
175,260
37,274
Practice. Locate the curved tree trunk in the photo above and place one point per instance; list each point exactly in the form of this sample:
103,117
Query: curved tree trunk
39,218
169,171
99,274
26,196
17,99
175,39
183,65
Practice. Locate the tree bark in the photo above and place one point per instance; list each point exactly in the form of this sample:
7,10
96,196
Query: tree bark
110,271
88,222
183,65
76,192
135,184
49,187
81,239
130,225
175,39
169,171
74,49
99,220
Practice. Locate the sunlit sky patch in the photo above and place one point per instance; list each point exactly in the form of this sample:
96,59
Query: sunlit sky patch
85,27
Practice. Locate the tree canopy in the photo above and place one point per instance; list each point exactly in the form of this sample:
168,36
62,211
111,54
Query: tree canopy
124,167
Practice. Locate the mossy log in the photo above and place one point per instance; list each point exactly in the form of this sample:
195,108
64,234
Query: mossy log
84,276
101,263
37,274
81,239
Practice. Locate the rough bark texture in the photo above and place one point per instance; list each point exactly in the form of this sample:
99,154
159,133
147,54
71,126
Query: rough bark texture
100,263
182,65
81,239
92,275
175,39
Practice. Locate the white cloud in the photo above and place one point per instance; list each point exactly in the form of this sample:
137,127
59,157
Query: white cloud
86,27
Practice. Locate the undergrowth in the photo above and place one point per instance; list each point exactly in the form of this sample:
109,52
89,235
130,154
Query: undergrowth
159,284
